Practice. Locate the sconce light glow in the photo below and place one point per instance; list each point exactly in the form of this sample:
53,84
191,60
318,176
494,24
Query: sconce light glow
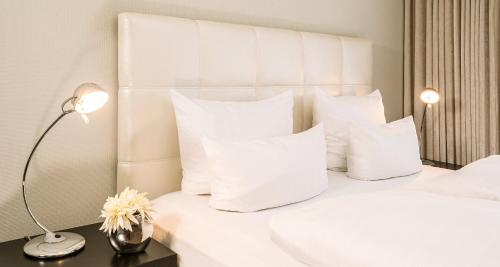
429,96
89,97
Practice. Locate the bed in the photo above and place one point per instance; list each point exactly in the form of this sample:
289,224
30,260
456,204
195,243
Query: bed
219,61
223,61
203,236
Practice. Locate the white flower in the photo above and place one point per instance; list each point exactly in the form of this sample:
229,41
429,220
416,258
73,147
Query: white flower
118,211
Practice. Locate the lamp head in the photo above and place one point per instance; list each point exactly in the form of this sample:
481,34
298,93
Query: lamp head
429,96
89,97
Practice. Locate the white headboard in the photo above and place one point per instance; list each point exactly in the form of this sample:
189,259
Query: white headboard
215,61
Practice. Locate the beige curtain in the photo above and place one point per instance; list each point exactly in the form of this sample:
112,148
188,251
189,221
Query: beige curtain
453,46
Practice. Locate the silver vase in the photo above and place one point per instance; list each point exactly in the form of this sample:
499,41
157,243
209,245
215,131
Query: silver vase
124,241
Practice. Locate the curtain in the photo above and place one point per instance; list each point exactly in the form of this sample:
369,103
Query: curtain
453,46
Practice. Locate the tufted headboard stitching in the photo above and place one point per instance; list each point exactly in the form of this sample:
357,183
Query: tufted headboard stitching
220,61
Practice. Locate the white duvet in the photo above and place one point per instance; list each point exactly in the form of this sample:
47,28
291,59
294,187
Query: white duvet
422,225
480,179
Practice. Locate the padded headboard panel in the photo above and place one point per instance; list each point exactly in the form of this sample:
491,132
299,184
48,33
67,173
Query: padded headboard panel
220,61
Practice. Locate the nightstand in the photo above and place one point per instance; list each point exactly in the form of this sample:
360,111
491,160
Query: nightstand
97,253
440,164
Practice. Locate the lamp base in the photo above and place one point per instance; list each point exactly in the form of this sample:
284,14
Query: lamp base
39,248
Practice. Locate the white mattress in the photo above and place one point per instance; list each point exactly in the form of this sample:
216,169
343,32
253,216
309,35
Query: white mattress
202,236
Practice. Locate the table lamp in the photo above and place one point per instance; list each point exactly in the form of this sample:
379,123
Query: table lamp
429,96
88,97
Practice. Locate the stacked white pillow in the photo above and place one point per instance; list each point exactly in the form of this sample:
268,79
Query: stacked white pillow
265,173
337,113
224,120
383,151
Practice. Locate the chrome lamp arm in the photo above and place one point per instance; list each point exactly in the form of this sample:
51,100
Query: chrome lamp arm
64,113
422,123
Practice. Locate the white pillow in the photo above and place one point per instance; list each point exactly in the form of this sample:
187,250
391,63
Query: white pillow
337,112
227,121
266,173
383,151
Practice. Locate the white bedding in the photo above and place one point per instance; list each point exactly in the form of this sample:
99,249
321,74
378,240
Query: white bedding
480,179
202,236
392,229
436,221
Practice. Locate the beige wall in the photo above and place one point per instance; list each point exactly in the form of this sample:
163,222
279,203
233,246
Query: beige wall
48,47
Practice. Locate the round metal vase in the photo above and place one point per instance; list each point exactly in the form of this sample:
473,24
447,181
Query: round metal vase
135,241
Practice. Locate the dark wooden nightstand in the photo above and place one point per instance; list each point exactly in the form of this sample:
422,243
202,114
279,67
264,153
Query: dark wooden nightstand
440,164
97,253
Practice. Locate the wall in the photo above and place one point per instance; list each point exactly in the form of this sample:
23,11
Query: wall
49,47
